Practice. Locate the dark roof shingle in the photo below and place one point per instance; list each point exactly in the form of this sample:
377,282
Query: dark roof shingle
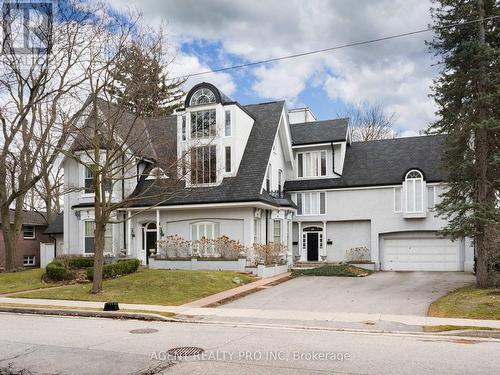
57,225
383,162
305,133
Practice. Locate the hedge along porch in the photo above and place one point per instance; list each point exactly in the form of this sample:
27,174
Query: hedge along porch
239,222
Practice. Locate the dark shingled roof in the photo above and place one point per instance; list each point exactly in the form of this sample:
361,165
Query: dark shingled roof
383,162
312,132
246,185
30,217
57,225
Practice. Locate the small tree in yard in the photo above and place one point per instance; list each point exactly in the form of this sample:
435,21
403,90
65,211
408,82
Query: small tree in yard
468,96
269,253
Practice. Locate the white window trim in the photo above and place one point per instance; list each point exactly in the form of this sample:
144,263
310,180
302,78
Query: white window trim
422,193
34,232
226,111
318,195
318,164
29,263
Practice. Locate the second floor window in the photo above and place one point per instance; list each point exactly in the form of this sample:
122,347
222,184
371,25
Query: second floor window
203,124
227,123
311,203
183,128
89,181
28,232
268,178
311,164
414,186
204,165
280,180
228,159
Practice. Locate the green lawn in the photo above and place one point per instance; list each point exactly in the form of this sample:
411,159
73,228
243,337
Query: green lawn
158,287
345,270
468,302
23,280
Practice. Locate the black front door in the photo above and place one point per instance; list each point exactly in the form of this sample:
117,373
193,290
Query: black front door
150,244
312,247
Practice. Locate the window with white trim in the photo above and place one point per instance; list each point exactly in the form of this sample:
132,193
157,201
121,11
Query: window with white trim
228,159
204,165
277,232
203,124
398,199
280,180
414,191
88,181
29,232
310,203
227,123
268,177
311,164
29,260
432,197
89,237
204,231
202,96
183,128
256,230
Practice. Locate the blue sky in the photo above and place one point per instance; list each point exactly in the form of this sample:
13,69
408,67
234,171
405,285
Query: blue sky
395,75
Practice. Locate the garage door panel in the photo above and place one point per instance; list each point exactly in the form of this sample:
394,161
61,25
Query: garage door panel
417,253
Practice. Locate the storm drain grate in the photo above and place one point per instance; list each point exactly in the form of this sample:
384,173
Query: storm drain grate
143,331
185,351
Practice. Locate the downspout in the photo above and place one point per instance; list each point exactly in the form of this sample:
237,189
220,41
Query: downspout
123,197
267,226
333,160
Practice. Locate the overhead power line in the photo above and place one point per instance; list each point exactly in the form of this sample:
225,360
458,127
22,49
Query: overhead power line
286,57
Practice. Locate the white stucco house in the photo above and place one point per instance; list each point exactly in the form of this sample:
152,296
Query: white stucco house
274,174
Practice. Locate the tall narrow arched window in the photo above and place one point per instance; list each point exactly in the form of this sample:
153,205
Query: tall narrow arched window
414,187
202,96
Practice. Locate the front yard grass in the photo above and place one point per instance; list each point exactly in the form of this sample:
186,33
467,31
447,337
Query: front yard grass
151,287
11,282
468,302
345,270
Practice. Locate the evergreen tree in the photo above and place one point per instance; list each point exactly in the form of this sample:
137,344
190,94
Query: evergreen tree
468,96
142,85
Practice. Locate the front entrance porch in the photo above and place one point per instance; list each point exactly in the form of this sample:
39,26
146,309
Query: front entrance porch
311,246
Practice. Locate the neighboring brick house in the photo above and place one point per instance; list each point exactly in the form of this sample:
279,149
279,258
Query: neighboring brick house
28,243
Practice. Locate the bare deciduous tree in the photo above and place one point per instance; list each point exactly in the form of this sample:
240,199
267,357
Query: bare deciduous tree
51,81
369,122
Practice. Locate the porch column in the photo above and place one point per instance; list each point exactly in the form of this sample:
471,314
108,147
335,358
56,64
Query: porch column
325,237
301,250
129,234
157,229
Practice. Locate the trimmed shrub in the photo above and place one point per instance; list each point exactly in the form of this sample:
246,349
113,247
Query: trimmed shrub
56,271
81,262
121,267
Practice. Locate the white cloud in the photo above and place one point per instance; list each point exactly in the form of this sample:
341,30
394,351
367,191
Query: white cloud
395,74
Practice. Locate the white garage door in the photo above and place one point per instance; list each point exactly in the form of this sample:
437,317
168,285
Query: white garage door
419,253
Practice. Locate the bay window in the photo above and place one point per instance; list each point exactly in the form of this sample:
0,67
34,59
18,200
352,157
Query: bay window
204,165
310,203
311,164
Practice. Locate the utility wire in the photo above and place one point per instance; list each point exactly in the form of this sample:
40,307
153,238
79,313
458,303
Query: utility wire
232,67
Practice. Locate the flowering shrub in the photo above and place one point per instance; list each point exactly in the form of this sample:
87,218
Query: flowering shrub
174,246
270,253
358,254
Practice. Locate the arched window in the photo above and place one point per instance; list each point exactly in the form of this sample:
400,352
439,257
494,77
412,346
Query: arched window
202,96
414,186
156,173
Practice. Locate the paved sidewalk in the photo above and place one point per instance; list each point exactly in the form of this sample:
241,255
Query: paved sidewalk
269,315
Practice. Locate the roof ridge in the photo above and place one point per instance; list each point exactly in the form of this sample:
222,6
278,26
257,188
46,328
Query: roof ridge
321,121
400,138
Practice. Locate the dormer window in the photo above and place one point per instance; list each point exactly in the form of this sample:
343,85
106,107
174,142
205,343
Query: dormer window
203,124
202,96
414,191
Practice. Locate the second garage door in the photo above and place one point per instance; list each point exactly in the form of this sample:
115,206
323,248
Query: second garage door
419,252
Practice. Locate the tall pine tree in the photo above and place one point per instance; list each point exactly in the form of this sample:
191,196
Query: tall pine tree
142,85
468,96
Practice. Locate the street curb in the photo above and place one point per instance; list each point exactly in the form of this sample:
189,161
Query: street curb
88,313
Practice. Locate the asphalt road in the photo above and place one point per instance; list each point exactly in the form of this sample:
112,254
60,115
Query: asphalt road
64,345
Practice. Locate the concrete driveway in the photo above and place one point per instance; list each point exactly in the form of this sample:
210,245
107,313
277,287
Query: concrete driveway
400,293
